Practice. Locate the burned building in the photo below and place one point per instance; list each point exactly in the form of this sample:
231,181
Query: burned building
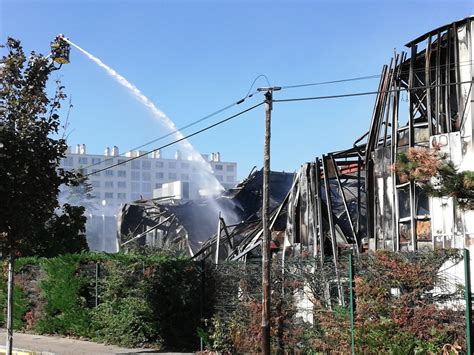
355,200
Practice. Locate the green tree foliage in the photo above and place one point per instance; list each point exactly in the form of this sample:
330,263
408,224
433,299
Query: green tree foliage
62,233
65,311
142,300
29,160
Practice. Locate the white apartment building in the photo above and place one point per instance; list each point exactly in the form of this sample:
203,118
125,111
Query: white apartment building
138,178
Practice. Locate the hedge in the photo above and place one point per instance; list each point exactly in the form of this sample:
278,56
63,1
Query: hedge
141,300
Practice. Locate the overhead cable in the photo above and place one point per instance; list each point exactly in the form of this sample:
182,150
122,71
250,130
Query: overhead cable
367,92
375,76
193,123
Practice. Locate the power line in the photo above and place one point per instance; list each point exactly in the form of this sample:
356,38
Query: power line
275,100
193,123
178,140
253,83
248,95
367,93
173,132
331,82
375,76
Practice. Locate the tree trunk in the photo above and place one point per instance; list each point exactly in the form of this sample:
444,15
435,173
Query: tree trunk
11,265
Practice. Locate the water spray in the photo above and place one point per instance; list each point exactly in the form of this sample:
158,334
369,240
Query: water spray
208,180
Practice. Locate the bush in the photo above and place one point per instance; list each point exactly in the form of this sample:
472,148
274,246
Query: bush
20,307
127,322
143,300
172,288
65,310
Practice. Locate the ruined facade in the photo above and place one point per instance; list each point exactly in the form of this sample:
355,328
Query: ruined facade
355,198
435,78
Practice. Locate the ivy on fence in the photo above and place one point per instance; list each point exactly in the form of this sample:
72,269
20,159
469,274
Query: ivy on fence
404,303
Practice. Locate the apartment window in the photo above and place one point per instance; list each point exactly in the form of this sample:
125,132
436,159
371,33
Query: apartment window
121,173
159,164
121,195
109,161
172,165
172,176
82,160
230,168
96,195
108,195
219,167
95,183
219,178
109,184
95,160
146,165
146,176
230,178
185,165
146,187
184,176
159,175
96,172
135,164
135,187
158,185
121,161
135,175
121,184
68,161
83,171
135,196
109,173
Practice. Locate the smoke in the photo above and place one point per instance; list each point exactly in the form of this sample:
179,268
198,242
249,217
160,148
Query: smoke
205,178
101,224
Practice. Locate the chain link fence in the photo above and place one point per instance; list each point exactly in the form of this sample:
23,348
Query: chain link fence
381,302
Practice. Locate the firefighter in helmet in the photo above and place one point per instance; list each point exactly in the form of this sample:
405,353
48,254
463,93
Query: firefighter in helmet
60,49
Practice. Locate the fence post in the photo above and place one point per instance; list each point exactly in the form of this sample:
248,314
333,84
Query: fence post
351,301
202,265
97,274
467,296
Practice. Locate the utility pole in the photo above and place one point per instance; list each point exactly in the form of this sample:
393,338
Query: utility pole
265,222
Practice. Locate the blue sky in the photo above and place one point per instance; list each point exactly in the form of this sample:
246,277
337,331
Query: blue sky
194,57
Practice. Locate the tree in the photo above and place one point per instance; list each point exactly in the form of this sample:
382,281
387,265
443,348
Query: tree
29,155
63,233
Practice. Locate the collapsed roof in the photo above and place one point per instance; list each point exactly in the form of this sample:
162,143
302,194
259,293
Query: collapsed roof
186,226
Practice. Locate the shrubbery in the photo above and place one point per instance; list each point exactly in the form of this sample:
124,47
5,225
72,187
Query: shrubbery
127,321
143,300
402,303
65,310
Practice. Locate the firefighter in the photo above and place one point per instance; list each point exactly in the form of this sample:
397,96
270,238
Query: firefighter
60,50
